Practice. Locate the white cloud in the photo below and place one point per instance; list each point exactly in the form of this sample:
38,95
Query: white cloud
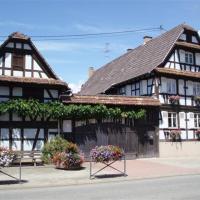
66,46
76,87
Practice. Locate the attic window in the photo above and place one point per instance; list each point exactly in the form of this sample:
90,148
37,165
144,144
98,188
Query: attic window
17,61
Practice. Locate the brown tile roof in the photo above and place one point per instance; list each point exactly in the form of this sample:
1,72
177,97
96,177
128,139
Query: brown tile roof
36,81
111,100
19,35
134,63
178,72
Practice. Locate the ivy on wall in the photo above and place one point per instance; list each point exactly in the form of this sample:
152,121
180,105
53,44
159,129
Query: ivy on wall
57,110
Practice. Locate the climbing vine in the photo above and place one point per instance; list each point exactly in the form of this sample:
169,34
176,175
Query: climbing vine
57,110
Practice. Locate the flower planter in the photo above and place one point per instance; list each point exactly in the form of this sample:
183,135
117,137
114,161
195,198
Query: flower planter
175,135
174,99
6,157
106,154
68,161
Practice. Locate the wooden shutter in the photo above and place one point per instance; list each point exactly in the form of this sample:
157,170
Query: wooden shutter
182,120
189,88
190,117
164,120
181,86
182,56
18,61
163,85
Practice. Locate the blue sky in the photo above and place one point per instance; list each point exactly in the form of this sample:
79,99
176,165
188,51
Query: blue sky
71,58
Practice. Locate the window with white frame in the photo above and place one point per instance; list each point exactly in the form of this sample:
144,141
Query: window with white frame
196,89
197,120
171,86
172,120
189,58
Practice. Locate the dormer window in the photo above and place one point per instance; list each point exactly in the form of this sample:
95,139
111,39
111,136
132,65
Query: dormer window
189,58
18,61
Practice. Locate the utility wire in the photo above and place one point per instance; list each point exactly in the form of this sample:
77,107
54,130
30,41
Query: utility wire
88,35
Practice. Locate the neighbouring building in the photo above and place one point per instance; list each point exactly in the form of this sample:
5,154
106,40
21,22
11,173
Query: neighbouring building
24,73
166,68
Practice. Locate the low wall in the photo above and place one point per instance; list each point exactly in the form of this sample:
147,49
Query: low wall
179,149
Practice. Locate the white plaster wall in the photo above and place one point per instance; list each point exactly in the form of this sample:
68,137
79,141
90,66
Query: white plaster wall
28,74
161,99
8,60
44,75
179,149
7,72
161,135
18,73
36,66
28,61
182,101
36,75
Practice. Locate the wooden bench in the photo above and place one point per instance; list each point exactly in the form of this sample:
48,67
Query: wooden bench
29,157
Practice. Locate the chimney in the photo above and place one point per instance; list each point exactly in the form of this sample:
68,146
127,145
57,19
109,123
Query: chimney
146,39
90,71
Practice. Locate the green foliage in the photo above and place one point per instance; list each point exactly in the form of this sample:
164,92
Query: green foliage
57,110
52,147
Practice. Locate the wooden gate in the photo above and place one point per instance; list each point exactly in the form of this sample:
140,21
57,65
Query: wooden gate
140,142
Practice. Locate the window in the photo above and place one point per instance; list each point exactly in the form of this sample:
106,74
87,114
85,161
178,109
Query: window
197,120
149,86
17,61
189,58
196,89
135,89
172,120
122,90
171,86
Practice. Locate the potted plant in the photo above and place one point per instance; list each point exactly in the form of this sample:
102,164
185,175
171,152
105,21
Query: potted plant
106,154
198,134
68,158
175,134
174,99
6,157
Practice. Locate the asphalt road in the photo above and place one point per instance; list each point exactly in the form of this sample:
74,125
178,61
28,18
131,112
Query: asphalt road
172,188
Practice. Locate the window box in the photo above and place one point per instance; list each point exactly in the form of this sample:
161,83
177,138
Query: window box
175,134
174,99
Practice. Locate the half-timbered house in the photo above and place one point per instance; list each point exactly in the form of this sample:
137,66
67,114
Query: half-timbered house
166,68
25,74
